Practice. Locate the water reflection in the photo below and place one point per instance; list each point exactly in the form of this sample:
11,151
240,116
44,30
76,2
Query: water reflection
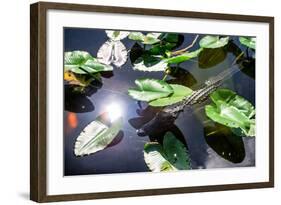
247,62
224,142
208,58
181,76
125,153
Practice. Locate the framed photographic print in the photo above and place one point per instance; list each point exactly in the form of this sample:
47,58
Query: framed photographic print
134,102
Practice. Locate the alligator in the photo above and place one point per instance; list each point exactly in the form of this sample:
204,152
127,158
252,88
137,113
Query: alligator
166,117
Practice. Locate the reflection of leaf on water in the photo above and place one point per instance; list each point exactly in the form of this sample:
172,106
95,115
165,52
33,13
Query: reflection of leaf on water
211,57
136,52
96,136
224,142
246,63
181,76
77,102
171,156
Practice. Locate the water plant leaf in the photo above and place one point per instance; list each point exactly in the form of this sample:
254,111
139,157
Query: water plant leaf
232,110
183,57
213,42
249,42
113,52
116,35
78,79
172,156
96,136
81,62
150,38
150,89
150,63
180,92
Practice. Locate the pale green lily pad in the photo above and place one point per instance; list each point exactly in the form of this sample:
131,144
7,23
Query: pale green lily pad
116,35
150,38
81,62
96,136
183,57
150,89
249,42
180,92
213,42
150,64
233,111
172,156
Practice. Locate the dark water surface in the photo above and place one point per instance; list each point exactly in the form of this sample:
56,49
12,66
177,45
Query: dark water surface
125,153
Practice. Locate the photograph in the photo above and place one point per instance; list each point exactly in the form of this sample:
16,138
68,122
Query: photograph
150,101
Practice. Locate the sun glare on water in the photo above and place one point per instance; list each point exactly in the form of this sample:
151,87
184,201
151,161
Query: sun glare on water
114,111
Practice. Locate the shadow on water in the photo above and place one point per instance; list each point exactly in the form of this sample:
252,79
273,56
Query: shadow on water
247,62
224,142
117,139
78,102
208,58
181,76
157,135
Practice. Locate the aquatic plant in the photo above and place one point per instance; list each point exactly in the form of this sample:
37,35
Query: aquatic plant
97,135
157,52
171,156
233,111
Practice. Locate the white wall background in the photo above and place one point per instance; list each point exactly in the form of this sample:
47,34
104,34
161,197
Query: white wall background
14,101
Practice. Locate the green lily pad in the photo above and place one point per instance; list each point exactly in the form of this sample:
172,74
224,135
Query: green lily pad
172,156
180,92
116,35
213,42
183,57
150,63
150,38
150,89
249,42
232,110
81,62
96,136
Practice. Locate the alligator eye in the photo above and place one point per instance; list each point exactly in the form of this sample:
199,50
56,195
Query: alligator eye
141,132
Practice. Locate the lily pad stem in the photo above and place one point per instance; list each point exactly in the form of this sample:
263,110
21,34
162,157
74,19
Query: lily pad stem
185,49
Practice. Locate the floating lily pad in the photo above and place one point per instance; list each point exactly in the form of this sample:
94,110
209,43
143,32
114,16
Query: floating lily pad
232,110
150,63
183,57
180,92
96,136
113,52
249,42
213,42
150,89
172,156
81,62
150,38
116,35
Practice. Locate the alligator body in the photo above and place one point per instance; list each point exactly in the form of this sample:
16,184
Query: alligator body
166,117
